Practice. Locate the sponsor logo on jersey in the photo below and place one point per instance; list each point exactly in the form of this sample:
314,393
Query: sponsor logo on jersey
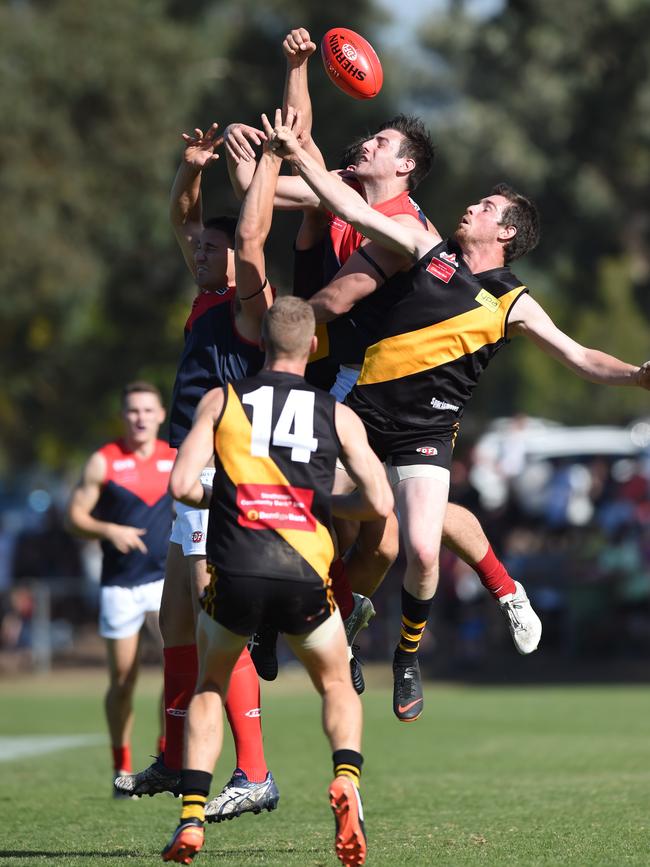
442,270
277,507
440,404
197,536
427,450
337,223
175,711
164,466
124,464
450,257
487,300
254,712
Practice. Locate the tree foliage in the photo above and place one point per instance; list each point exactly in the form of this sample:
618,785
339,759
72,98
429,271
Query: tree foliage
552,97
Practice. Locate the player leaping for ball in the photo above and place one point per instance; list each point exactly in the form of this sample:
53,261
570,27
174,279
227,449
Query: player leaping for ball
221,344
275,440
347,268
444,319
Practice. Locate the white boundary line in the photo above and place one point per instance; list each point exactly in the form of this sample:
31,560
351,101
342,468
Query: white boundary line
29,746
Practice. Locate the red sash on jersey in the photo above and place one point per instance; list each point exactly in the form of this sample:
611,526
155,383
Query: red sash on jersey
346,240
147,478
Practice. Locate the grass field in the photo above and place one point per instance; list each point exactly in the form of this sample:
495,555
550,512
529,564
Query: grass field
487,776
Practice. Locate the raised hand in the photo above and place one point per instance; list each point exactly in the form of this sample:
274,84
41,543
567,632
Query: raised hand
284,138
298,47
199,148
239,139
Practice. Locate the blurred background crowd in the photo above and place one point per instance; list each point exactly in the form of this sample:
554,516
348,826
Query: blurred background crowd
94,292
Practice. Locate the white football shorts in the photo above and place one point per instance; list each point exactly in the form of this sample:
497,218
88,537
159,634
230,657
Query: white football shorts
122,610
190,527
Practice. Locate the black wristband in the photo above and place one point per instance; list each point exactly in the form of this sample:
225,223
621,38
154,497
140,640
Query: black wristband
259,291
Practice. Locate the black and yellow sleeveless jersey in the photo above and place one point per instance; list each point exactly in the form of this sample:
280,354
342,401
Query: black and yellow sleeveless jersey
275,453
436,329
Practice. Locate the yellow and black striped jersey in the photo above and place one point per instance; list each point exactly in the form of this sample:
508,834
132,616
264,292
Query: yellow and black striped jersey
437,326
275,454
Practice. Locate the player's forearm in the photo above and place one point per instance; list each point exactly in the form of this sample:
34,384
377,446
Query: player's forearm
327,304
240,173
198,496
370,504
604,369
257,210
333,195
185,197
84,525
296,94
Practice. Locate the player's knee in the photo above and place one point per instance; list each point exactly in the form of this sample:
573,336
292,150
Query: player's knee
424,556
123,682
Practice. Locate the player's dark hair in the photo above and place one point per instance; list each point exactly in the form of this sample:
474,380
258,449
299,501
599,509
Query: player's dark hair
417,145
227,225
138,386
524,216
350,156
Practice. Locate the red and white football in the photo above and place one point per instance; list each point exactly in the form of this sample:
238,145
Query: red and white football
351,63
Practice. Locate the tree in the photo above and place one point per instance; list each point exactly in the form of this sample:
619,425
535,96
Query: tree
537,94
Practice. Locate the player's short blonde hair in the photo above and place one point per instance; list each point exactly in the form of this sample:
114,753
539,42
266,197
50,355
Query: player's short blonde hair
288,327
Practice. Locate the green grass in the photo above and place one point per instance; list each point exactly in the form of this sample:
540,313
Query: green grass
487,776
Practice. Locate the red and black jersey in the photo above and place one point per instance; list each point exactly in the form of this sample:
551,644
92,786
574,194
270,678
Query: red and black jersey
213,354
135,494
275,453
440,328
344,340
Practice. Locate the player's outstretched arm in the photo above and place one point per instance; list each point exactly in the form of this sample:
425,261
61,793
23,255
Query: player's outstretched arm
413,242
531,320
84,498
185,196
196,452
255,217
298,48
373,498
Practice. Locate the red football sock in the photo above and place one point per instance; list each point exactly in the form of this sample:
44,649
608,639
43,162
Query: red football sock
243,709
180,672
122,758
341,587
494,575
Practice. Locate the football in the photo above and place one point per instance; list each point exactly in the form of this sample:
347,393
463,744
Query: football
351,63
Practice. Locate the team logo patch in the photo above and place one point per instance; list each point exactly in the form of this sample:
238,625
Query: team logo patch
275,507
124,464
337,224
442,270
450,257
427,450
487,300
197,536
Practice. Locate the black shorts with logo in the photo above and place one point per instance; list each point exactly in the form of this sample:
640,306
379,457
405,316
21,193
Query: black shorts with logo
399,446
244,603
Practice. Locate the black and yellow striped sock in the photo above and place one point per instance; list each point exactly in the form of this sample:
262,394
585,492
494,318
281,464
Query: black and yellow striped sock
195,786
347,763
415,613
